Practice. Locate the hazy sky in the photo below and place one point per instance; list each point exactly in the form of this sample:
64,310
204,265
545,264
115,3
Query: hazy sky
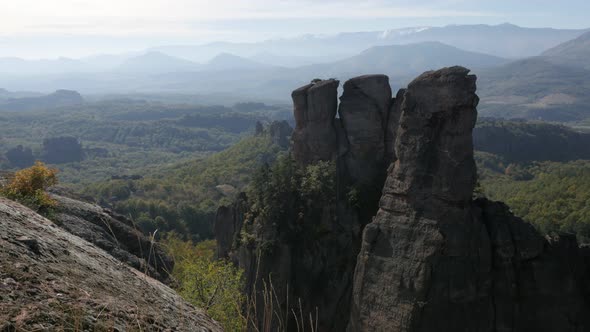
50,28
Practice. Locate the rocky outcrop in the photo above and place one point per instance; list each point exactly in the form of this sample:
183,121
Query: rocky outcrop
364,111
280,133
418,253
51,280
59,98
429,187
113,233
59,150
433,259
315,106
228,223
20,156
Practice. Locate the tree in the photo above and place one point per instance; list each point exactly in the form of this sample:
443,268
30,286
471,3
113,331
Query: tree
213,285
29,186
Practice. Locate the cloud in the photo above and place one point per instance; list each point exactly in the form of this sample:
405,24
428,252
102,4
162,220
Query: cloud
178,17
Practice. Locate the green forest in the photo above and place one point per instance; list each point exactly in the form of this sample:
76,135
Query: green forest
169,166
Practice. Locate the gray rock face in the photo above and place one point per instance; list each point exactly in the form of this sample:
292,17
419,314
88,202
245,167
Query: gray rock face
52,280
315,106
420,254
433,259
434,147
228,223
392,126
364,110
114,234
280,133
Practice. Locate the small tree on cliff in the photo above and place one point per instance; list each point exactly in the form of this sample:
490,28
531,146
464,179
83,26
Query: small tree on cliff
29,185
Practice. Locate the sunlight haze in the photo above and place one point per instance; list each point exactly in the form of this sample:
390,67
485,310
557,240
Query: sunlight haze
74,28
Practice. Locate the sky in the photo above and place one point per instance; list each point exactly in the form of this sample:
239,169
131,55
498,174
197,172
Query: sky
76,28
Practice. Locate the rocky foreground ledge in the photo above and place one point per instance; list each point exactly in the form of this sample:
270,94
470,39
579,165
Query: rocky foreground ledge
51,280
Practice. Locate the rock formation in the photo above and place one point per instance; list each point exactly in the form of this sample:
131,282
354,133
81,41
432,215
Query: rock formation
113,233
58,150
421,254
364,111
315,106
51,280
228,223
20,156
280,133
433,259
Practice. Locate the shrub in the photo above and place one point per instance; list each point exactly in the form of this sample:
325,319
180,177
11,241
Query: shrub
213,285
29,186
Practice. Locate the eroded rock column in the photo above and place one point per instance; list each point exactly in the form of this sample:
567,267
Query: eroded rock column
315,107
422,247
364,110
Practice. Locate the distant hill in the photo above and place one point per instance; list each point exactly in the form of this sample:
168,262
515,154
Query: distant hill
57,99
290,61
156,62
504,40
575,52
522,141
22,67
551,87
226,61
409,59
5,94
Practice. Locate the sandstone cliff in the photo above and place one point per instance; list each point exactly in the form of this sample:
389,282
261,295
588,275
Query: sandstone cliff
51,280
434,259
402,245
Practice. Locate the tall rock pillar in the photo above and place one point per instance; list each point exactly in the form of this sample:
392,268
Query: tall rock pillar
422,239
315,107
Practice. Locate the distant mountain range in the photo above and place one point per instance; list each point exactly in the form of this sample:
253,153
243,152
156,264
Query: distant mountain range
504,40
553,84
156,62
404,60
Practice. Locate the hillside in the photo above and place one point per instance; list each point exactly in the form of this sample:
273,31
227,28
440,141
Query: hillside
184,196
52,280
227,61
156,62
575,52
551,87
395,60
535,88
59,98
524,142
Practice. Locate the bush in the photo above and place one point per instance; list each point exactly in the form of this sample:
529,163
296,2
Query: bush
28,186
213,285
